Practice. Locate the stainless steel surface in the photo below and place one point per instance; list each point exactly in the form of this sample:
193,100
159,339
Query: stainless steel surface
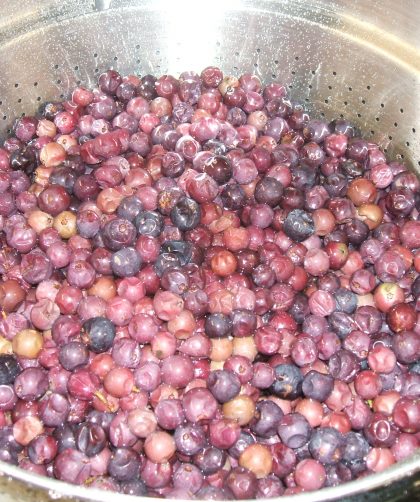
359,59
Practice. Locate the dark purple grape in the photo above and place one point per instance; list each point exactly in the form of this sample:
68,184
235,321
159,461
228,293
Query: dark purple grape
63,176
169,413
337,474
210,459
380,431
300,308
24,160
173,164
182,112
43,449
233,197
245,439
102,418
88,223
65,436
134,487
219,168
303,177
31,384
341,323
298,225
73,355
90,439
346,300
126,353
267,417
242,483
147,88
244,322
288,381
327,445
124,464
317,385
98,333
118,234
294,430
186,214
218,325
9,369
224,385
368,319
336,185
129,208
356,448
357,231
149,223
209,492
188,475
72,466
166,261
189,439
126,262
344,365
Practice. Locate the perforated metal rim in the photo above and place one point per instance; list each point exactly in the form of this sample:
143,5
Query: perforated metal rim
304,44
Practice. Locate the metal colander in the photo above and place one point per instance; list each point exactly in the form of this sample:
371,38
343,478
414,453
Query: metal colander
357,59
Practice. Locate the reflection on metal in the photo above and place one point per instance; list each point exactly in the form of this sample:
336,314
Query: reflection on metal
102,4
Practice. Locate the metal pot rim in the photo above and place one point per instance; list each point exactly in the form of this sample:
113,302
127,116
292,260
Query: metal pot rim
57,489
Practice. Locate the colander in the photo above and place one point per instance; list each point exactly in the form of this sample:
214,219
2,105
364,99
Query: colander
358,59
